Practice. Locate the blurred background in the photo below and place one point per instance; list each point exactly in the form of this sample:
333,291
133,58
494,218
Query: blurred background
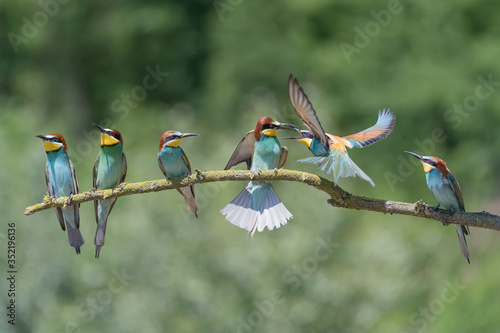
214,68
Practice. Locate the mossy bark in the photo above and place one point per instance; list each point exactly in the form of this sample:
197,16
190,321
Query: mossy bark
338,197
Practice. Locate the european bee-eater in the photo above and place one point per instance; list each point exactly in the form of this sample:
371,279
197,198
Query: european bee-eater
447,192
61,181
173,162
330,151
258,206
110,169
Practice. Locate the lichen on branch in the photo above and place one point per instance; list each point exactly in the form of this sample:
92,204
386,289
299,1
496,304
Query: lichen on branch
338,196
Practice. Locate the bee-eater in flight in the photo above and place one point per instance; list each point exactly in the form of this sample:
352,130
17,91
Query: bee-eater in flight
330,151
447,192
61,181
173,162
110,169
258,206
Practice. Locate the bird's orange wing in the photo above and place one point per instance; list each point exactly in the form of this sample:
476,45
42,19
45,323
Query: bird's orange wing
383,127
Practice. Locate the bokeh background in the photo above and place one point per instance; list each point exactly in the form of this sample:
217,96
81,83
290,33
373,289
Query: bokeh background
220,65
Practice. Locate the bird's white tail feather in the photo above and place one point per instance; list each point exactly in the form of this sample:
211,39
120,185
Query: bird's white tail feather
271,214
338,163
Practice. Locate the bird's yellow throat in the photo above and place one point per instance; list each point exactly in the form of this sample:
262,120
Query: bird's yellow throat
307,142
173,143
427,167
107,140
51,146
269,132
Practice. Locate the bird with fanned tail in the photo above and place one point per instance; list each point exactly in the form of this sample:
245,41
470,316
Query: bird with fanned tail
258,206
330,151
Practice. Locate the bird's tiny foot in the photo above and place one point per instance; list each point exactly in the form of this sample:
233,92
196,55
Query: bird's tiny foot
47,198
437,207
120,186
257,172
419,207
199,173
275,171
68,201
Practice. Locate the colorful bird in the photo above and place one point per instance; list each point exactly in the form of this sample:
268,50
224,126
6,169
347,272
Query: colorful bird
447,192
110,169
173,162
258,206
330,151
61,181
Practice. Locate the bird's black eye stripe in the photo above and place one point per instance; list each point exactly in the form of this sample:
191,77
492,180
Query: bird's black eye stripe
430,162
55,139
113,134
269,126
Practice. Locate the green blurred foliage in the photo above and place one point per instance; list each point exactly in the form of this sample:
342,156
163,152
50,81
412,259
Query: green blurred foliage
228,63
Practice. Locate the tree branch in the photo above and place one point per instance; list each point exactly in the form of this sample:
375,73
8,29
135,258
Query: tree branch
339,197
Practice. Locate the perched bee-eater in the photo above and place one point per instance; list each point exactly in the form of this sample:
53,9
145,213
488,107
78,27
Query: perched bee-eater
110,169
330,151
173,162
447,192
258,206
61,181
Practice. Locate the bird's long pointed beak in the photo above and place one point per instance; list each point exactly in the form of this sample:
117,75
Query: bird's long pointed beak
416,155
289,127
294,137
43,137
101,129
185,135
